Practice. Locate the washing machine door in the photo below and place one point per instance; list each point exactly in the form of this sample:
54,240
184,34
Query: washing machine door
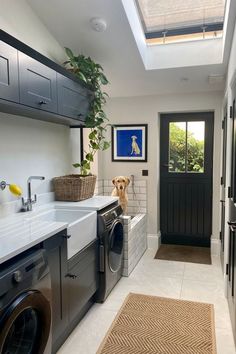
115,249
25,324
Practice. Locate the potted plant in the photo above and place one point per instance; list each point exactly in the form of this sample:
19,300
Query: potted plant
92,74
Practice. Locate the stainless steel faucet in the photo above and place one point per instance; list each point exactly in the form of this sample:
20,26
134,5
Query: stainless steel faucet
28,203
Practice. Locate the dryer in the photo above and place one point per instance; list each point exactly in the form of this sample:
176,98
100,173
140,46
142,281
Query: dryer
25,304
111,238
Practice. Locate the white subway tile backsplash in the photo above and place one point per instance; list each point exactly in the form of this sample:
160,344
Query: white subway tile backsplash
140,183
141,197
143,190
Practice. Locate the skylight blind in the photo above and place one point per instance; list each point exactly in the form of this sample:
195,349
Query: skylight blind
168,15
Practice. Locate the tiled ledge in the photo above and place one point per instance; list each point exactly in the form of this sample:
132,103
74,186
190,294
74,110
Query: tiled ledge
135,241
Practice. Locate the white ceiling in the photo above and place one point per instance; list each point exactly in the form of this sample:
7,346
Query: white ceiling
116,50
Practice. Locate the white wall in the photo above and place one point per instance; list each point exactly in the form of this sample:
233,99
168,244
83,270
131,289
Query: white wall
31,147
28,146
18,19
146,110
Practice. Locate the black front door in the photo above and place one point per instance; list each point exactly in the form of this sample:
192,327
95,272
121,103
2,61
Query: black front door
186,145
232,226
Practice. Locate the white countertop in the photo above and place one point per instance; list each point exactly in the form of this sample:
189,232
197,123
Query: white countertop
97,202
18,234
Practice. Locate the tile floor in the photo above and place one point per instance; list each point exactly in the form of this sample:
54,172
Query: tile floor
162,278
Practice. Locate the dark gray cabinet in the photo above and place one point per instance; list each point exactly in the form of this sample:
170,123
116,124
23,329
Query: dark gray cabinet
56,248
38,86
82,279
73,99
34,86
8,73
74,283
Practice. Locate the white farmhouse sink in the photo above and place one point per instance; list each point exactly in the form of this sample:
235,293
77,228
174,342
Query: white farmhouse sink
82,226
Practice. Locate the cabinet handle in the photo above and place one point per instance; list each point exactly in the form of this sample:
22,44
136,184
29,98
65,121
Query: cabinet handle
232,225
72,276
42,102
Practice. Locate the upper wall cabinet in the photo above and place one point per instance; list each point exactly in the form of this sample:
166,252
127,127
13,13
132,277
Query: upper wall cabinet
38,85
34,86
73,99
8,73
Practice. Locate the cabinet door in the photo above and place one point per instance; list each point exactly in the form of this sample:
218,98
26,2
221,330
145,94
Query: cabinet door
37,84
9,85
82,280
73,99
56,248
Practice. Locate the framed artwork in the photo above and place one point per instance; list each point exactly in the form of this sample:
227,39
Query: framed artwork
129,143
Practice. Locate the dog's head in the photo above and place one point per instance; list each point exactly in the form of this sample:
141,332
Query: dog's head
121,182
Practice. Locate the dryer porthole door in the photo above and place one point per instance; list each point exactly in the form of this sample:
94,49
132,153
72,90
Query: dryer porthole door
115,251
25,324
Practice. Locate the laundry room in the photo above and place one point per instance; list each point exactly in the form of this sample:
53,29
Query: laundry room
117,176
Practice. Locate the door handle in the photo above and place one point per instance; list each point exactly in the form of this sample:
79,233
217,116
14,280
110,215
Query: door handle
222,201
232,225
42,102
166,165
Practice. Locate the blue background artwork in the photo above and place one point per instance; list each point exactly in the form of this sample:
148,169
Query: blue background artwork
124,142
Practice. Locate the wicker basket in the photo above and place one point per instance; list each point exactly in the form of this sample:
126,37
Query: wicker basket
73,188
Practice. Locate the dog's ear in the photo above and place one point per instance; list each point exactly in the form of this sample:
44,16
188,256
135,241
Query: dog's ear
114,181
127,180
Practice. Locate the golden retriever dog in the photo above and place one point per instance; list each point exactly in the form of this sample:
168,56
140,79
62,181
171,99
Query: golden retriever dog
121,183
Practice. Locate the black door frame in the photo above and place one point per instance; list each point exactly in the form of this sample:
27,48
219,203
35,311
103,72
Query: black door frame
223,183
207,116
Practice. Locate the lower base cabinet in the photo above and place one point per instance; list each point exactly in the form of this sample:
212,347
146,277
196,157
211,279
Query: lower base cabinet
82,279
74,284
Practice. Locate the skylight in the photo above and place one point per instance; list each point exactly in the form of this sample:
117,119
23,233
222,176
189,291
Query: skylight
166,21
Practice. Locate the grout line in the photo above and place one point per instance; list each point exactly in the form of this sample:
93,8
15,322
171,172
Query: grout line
182,282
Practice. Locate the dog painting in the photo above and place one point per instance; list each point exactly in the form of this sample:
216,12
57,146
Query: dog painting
134,146
129,143
121,183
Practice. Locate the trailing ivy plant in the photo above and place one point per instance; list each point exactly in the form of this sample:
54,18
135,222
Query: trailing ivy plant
92,74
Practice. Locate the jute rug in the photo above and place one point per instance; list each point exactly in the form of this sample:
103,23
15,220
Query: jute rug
156,325
180,253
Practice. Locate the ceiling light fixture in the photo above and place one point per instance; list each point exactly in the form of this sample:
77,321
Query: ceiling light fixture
184,79
98,24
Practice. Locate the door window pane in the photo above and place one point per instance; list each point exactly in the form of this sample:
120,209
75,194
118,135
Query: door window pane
186,147
177,147
195,146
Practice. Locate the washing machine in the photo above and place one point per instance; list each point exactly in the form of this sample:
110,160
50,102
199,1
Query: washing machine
111,242
25,304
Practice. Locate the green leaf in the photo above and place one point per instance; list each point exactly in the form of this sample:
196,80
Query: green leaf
69,53
83,163
106,145
76,165
92,135
82,77
89,157
103,79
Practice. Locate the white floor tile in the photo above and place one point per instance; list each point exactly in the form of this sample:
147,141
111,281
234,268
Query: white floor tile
87,336
224,341
202,272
